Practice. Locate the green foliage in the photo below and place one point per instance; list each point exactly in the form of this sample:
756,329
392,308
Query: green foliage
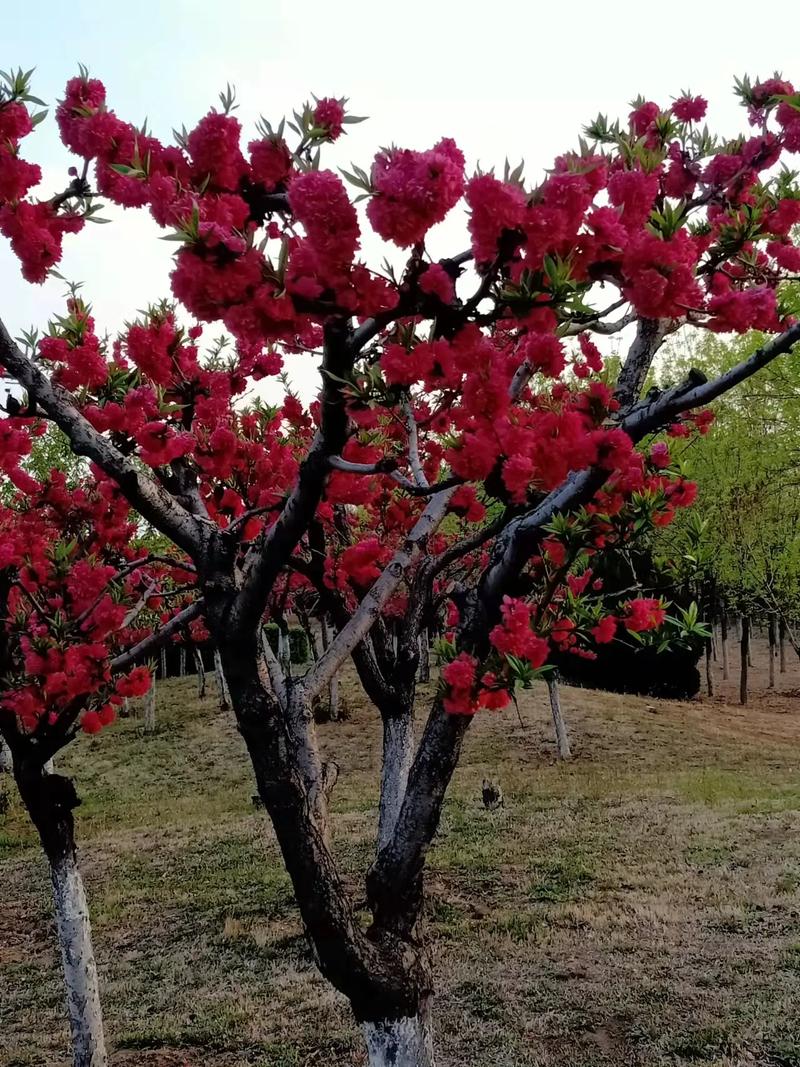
299,650
743,534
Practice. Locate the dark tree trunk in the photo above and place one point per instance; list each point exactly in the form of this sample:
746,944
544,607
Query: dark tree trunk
709,670
723,629
782,645
773,641
384,972
745,653
50,800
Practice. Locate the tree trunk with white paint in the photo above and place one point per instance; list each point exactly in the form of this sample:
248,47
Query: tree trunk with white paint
150,707
222,685
723,630
562,739
201,673
50,800
399,1042
398,755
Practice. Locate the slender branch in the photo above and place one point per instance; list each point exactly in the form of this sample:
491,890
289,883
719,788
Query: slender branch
271,552
158,638
413,446
370,607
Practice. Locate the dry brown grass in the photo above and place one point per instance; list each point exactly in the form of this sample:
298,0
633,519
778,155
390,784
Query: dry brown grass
637,906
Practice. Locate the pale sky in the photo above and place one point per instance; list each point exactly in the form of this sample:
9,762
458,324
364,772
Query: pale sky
516,79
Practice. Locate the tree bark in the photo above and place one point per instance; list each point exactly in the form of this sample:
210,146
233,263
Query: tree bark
723,628
6,764
709,669
50,800
163,662
398,755
773,640
404,1042
744,655
150,707
782,645
222,684
182,662
201,672
424,669
333,685
562,739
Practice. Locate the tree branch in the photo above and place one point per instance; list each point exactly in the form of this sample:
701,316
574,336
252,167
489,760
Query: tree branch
158,638
143,492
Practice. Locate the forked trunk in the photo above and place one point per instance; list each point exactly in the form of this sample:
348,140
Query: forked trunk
404,1042
50,800
562,739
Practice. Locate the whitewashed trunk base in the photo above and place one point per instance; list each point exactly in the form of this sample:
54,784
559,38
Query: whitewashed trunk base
399,1043
80,971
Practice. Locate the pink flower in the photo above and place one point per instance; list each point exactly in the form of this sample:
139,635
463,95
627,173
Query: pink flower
689,108
414,190
328,116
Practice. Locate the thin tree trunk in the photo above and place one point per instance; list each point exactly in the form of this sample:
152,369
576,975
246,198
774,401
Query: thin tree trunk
400,1042
201,672
6,766
150,708
744,649
163,662
773,641
424,669
558,719
182,662
709,670
723,627
782,645
398,755
222,685
333,686
50,800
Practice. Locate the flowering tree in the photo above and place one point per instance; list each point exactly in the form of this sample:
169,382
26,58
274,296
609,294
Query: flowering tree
461,454
74,601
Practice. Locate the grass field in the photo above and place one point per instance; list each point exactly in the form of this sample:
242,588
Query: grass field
640,905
